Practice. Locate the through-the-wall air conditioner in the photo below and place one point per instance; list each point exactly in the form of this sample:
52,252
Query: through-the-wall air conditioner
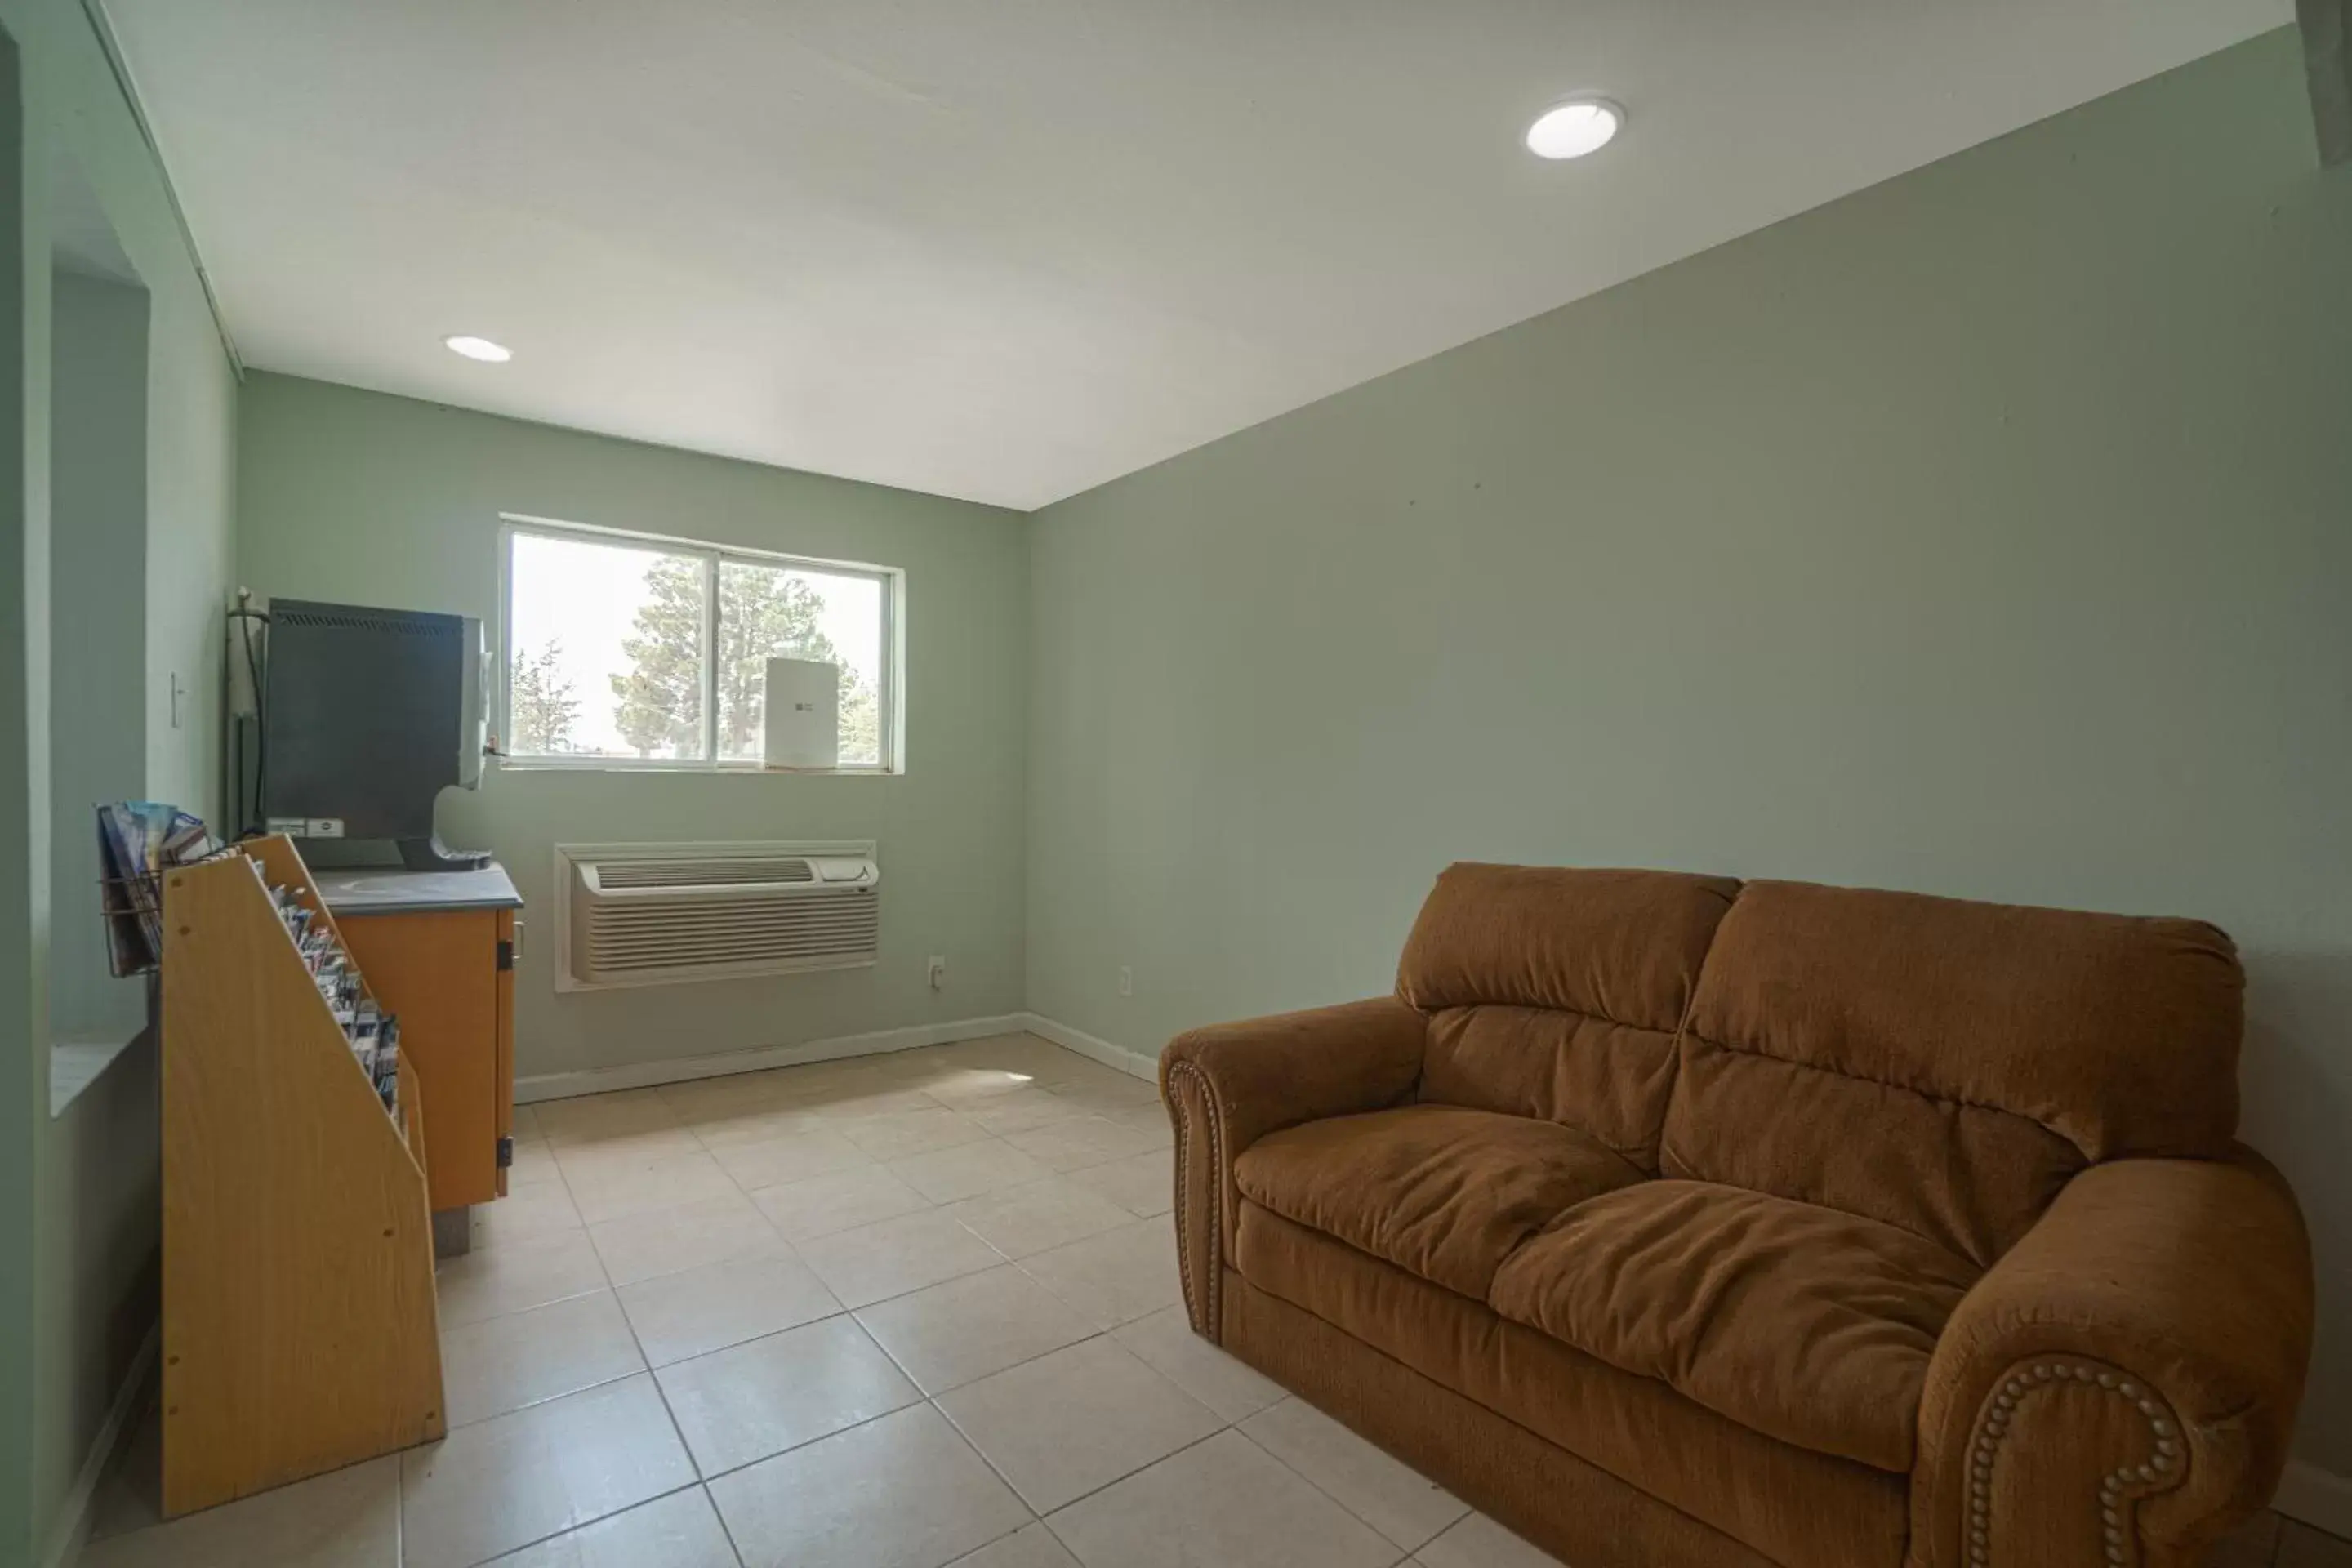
645,914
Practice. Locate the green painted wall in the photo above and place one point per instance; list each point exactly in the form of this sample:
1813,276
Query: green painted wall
99,1227
23,761
1988,532
98,673
367,499
59,1196
97,1268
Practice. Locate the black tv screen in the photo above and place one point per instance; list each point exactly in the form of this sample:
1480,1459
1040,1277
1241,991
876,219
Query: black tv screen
363,716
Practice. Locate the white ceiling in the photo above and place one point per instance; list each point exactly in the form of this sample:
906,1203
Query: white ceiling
1010,250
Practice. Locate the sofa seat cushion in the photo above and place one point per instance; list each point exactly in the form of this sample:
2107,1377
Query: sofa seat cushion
1803,1324
1788,1504
1444,1191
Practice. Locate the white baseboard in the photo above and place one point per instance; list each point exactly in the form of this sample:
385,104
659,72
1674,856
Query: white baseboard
646,1075
1085,1045
683,1069
72,1530
2316,1497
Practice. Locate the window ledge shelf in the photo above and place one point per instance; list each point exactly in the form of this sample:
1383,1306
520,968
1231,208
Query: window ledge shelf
686,769
75,1065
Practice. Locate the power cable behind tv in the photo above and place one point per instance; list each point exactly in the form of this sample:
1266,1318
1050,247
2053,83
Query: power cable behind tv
250,821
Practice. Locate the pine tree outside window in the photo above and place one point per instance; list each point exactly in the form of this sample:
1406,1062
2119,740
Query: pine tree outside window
629,651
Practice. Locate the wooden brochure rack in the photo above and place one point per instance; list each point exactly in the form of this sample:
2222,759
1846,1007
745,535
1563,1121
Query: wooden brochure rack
300,1327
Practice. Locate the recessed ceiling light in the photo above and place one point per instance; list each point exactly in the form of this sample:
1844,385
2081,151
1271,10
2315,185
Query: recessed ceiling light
1571,130
479,347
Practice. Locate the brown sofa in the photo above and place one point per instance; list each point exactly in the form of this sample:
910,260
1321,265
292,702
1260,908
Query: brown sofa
1675,1220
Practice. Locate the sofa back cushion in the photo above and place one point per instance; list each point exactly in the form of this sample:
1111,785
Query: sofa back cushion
1945,1065
1555,993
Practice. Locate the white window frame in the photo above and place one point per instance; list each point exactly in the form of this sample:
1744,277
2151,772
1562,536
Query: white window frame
888,686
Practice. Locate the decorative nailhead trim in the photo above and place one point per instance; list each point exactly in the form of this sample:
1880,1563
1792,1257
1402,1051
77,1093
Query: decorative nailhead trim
2005,1403
1213,1288
1184,1147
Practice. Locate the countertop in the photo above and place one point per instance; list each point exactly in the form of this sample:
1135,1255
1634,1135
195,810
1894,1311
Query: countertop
392,893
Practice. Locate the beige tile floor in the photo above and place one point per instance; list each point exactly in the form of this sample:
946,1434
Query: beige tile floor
899,1312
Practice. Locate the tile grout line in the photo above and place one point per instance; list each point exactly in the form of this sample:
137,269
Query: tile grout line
650,1370
1336,1502
584,1524
1047,1519
703,1481
794,1249
1073,1502
1003,1261
564,1181
662,1394
808,1443
990,1466
710,1500
932,1399
647,1370
907,1373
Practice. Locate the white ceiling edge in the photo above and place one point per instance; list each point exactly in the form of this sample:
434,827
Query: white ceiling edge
977,261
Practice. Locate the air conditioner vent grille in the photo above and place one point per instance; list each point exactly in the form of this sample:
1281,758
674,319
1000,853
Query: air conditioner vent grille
715,872
638,915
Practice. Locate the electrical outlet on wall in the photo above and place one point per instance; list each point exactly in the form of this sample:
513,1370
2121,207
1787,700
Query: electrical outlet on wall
938,971
1126,981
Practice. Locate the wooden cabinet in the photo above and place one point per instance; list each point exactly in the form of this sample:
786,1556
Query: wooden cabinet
442,975
437,949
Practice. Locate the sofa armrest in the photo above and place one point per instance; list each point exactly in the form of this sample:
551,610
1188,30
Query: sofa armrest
2120,1387
1230,1085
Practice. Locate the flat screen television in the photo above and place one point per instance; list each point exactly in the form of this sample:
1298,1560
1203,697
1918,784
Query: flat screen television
367,716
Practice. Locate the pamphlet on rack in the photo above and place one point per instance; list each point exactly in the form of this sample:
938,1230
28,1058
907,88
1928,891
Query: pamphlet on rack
136,840
373,1034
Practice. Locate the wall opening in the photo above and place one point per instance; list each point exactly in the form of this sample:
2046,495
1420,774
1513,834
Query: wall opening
97,601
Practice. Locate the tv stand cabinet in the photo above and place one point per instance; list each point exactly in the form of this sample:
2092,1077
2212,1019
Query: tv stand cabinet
437,948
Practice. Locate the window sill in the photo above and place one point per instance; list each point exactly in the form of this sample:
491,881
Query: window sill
75,1065
682,770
